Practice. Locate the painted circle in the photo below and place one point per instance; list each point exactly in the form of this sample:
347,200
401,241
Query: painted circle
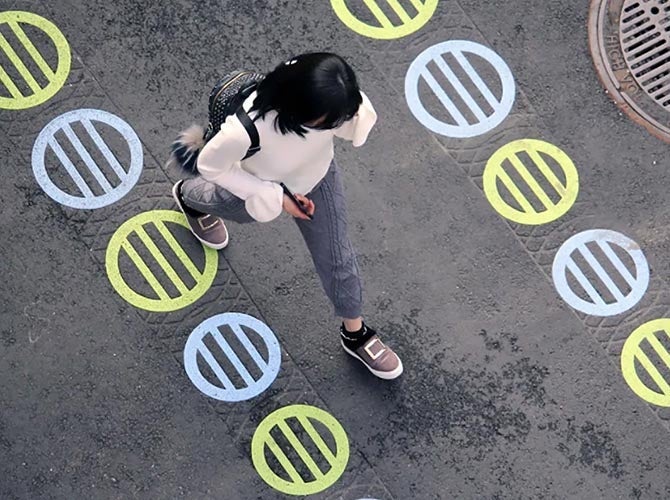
13,20
501,106
385,29
494,173
195,346
165,303
632,351
305,414
128,175
604,238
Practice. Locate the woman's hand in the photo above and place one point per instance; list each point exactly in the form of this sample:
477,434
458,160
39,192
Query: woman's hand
291,209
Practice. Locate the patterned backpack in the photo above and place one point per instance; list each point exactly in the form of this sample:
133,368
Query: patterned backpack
225,99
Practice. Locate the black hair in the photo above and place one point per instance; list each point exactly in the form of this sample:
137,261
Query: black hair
317,86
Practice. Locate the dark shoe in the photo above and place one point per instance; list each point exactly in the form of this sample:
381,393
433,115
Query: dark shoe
372,352
209,229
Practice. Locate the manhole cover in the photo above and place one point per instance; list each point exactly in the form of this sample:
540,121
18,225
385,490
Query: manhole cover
630,44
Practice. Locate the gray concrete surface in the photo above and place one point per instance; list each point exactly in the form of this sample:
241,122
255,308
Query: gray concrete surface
508,393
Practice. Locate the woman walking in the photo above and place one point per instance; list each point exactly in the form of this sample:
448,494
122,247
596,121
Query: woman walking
297,110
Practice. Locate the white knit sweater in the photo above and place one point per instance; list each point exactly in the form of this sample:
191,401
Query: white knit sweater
298,162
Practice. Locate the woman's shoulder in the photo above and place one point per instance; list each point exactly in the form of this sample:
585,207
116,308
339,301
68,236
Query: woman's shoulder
232,132
230,143
358,128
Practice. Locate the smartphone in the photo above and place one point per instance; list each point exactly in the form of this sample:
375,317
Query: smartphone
295,200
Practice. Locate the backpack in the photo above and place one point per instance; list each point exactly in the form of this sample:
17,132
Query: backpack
225,99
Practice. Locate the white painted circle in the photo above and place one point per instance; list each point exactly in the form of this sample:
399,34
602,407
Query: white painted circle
603,238
460,127
227,391
125,175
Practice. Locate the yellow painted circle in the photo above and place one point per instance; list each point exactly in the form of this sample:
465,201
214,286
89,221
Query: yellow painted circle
632,351
164,303
406,20
337,459
495,173
12,20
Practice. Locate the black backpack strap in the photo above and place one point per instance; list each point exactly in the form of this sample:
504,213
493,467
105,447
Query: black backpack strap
250,127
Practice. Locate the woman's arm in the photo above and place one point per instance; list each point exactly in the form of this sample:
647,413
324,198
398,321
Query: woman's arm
219,163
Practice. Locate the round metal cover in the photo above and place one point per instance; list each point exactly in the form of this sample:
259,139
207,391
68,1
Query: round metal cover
630,45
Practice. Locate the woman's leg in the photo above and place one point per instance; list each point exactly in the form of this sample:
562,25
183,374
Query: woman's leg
205,206
333,254
335,261
209,198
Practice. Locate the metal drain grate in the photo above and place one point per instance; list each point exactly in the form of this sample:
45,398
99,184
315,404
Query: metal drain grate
630,45
644,30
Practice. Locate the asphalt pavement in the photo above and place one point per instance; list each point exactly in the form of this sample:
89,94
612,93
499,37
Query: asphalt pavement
509,391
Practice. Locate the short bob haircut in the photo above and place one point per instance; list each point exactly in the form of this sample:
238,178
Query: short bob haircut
314,87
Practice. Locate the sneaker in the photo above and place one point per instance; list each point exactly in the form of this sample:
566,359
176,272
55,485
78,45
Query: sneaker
209,229
373,353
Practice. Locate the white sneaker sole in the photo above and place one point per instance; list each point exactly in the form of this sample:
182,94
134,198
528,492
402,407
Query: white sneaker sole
219,246
384,375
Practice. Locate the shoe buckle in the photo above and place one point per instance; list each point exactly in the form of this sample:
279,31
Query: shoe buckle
376,355
206,227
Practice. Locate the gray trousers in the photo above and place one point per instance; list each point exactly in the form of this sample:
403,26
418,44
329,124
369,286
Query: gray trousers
326,236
